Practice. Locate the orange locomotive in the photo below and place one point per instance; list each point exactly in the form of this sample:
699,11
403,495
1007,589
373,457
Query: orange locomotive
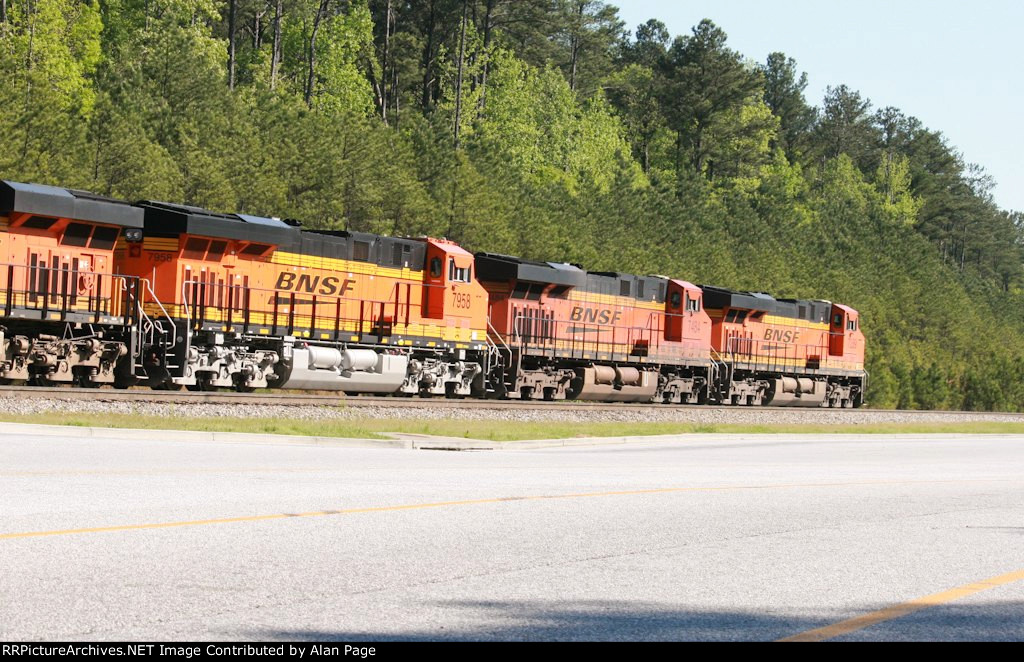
97,291
67,316
786,352
567,333
250,302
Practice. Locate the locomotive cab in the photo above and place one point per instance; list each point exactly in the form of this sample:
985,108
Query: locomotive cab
449,289
684,316
845,338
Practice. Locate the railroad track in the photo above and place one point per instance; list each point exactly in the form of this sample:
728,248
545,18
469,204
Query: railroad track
340,400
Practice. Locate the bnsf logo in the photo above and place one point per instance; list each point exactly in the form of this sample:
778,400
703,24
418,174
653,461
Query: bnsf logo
595,315
777,335
327,285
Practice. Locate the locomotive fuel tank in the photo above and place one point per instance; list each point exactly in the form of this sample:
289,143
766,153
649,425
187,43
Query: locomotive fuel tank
352,370
607,384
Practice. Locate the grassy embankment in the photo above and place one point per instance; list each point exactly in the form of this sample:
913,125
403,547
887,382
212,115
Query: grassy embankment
488,430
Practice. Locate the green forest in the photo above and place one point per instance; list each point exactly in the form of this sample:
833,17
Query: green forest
542,128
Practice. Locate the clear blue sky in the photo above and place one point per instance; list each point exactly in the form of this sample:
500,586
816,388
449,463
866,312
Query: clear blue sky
957,65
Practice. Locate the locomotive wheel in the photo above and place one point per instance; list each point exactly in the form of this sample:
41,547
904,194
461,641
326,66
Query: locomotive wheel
202,384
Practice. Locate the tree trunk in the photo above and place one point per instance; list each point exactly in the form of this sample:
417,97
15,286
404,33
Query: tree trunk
385,100
488,14
398,114
275,56
427,99
575,44
458,79
232,16
3,12
320,14
257,32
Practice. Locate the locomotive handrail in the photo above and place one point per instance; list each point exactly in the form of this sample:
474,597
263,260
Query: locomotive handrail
63,289
549,341
763,352
285,312
499,336
187,336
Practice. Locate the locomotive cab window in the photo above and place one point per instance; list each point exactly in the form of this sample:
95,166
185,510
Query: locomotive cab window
435,267
692,305
838,321
851,325
458,274
676,299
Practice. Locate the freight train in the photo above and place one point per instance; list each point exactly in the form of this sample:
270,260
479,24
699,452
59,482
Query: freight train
96,291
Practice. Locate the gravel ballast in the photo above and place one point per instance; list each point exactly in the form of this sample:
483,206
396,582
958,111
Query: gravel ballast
653,414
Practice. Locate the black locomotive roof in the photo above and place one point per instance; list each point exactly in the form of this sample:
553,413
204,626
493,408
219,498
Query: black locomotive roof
613,283
366,247
164,219
811,310
170,220
66,203
500,268
494,267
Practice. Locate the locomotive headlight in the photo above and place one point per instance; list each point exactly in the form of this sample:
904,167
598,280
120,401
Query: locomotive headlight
133,235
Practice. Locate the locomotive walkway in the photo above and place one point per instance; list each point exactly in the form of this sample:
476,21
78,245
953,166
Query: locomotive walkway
699,538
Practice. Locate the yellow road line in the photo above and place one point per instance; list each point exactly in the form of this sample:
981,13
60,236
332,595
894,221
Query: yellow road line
472,502
900,610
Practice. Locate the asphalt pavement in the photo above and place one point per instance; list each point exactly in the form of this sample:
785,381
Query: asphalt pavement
701,537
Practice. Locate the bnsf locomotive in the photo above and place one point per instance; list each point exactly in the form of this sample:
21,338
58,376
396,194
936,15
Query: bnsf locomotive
97,291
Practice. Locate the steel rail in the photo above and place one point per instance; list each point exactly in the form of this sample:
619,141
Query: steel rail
302,399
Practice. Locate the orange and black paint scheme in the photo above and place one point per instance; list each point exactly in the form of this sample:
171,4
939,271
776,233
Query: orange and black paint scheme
599,336
269,287
98,291
65,310
787,351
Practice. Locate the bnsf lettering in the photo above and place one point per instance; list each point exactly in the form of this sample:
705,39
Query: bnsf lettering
326,285
595,315
778,335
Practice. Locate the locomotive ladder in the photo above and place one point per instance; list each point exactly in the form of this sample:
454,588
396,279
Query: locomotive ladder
145,330
494,352
722,372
